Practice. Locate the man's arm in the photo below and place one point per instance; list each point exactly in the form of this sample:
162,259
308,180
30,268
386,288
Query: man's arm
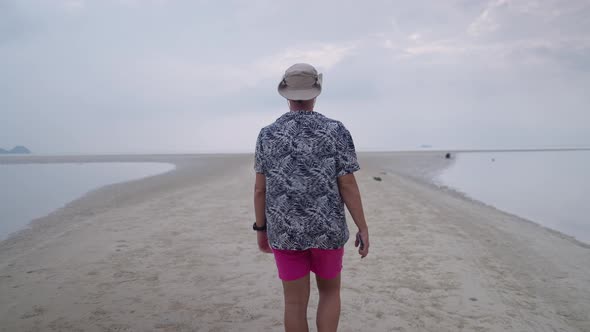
260,199
352,198
259,211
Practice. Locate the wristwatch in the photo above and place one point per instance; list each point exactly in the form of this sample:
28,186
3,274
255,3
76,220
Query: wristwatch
259,229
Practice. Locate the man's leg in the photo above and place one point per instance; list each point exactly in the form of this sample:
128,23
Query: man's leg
296,298
329,305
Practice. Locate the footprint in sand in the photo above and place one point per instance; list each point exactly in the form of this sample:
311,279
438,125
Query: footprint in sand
37,270
36,311
62,324
121,244
124,274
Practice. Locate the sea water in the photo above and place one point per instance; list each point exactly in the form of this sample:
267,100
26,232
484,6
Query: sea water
551,188
29,191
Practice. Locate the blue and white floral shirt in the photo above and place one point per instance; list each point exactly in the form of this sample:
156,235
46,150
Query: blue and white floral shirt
301,155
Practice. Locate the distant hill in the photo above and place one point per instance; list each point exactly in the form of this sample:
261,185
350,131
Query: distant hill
19,149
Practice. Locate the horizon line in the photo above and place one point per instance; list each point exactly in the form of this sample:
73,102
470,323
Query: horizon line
461,150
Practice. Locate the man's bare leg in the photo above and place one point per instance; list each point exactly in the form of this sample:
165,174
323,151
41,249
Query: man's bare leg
329,306
296,299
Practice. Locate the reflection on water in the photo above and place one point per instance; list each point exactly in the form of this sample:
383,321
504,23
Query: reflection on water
29,191
551,188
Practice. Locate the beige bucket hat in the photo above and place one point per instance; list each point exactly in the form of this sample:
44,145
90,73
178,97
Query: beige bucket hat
300,82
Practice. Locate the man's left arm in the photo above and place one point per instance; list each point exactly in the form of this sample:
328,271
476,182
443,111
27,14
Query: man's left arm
259,211
260,199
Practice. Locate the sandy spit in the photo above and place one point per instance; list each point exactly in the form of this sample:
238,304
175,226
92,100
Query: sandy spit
175,252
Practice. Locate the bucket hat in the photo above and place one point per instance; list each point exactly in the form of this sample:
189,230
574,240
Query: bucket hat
301,81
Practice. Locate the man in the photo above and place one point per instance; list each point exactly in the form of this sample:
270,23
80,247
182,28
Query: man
304,165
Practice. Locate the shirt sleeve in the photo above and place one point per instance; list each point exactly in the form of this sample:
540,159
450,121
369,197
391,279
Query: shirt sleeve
258,156
346,160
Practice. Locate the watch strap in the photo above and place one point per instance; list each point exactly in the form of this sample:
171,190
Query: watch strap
259,229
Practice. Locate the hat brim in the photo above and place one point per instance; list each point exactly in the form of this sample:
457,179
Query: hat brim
305,94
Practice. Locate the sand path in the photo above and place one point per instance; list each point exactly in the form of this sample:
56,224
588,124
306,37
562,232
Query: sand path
176,252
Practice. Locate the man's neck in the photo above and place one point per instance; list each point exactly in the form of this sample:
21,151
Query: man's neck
306,105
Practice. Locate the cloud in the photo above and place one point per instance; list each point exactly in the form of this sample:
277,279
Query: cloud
169,79
321,55
487,21
73,6
438,48
398,73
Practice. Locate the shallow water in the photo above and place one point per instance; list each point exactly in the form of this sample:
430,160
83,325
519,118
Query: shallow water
29,191
551,188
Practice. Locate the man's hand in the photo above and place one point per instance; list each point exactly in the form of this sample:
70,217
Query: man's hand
364,235
263,242
349,191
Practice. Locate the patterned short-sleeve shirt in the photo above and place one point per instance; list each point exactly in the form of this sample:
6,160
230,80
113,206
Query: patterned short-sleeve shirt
301,155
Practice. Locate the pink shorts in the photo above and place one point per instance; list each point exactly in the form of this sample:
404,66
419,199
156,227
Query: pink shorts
294,264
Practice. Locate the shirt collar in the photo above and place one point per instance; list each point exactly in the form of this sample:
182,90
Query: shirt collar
299,113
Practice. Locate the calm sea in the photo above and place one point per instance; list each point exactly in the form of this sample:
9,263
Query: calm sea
551,188
30,191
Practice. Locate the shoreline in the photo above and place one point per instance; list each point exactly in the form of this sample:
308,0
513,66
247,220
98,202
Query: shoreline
147,255
178,160
427,175
459,193
419,172
40,213
456,192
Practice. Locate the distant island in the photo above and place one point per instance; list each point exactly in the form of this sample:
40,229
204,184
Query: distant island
19,149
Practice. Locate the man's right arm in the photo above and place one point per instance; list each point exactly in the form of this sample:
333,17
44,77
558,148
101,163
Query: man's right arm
352,198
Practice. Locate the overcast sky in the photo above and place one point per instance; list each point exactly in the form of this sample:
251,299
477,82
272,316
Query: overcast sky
110,76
